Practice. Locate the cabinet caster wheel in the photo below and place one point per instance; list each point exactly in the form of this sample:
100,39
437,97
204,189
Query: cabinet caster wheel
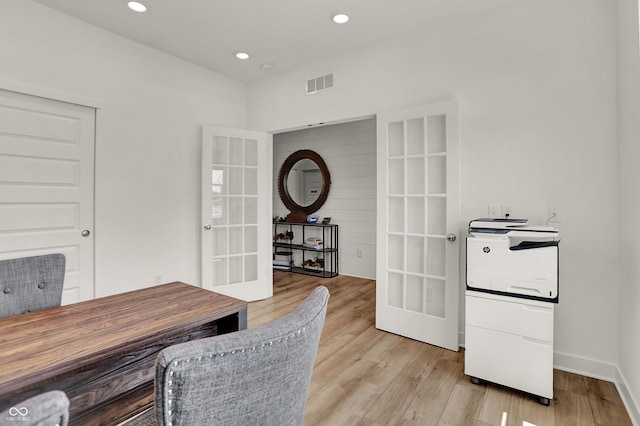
544,401
475,381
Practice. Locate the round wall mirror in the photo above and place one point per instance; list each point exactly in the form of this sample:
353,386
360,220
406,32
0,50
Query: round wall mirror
304,181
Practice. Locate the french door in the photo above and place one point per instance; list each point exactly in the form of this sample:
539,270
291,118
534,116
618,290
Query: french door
236,212
46,185
418,217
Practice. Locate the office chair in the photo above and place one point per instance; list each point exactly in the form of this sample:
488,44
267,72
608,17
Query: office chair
31,283
252,377
47,409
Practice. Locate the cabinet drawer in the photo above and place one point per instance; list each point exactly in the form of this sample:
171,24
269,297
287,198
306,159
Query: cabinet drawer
509,360
510,315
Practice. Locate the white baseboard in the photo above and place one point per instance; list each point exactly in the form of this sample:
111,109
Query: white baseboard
585,366
630,403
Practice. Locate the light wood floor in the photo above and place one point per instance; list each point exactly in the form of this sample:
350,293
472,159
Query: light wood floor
364,376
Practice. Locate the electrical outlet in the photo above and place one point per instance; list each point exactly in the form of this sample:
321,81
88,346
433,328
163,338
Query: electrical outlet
494,210
506,211
552,214
359,252
157,279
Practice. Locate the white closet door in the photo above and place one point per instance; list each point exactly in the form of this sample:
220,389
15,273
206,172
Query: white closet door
46,185
236,213
418,217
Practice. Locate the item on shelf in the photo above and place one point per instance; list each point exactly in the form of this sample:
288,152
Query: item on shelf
282,264
286,236
296,217
318,263
314,242
312,220
326,220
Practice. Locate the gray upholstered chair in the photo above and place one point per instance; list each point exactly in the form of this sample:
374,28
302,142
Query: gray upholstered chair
47,409
251,377
31,283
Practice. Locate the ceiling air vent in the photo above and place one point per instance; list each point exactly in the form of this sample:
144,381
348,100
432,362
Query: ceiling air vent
319,84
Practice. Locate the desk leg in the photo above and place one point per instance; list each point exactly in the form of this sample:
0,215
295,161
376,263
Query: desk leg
242,320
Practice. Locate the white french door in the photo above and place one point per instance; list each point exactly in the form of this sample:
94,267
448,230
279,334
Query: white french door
236,213
46,185
418,217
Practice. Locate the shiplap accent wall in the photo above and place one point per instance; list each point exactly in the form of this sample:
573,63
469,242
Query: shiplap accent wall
349,149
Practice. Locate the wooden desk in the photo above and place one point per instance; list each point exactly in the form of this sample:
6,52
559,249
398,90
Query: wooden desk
102,352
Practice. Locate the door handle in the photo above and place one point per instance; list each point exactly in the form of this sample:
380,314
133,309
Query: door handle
85,233
207,227
451,237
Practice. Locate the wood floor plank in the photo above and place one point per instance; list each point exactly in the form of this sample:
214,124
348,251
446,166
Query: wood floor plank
497,400
368,377
463,406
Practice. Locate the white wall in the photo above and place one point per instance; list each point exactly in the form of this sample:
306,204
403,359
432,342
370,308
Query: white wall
349,150
536,85
629,175
147,200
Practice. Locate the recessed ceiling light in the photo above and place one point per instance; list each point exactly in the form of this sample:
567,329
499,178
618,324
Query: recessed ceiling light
242,55
136,6
266,66
340,18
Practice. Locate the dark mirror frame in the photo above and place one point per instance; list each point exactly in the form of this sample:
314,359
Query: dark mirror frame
284,174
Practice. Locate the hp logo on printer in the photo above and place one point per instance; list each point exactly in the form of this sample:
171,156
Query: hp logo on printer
486,249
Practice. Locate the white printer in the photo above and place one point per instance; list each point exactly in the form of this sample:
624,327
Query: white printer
512,289
509,257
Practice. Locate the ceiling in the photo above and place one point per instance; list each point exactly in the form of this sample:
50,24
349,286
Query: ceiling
283,33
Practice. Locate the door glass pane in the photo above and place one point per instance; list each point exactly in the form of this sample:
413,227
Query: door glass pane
235,180
235,269
251,181
235,211
396,177
436,257
236,151
219,241
437,175
396,214
415,136
435,297
219,155
415,215
218,186
219,211
396,139
436,134
415,175
250,210
219,267
251,239
395,291
437,215
415,254
415,293
235,240
396,252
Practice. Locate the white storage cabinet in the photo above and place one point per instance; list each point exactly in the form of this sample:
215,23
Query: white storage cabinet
509,341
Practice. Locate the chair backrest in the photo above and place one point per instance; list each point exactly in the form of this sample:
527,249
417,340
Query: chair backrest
257,376
31,283
47,409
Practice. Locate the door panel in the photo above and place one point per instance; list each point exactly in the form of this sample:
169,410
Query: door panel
418,208
236,213
46,185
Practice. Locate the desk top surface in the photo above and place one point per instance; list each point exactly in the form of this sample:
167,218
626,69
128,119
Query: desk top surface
55,341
